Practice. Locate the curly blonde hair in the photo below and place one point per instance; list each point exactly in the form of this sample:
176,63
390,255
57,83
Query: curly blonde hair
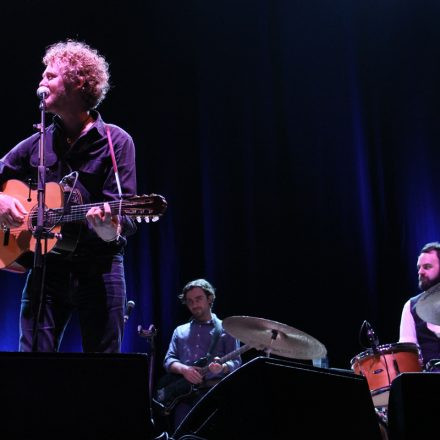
80,61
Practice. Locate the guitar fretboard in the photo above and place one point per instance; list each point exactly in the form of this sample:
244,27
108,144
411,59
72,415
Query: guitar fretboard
229,356
78,212
54,216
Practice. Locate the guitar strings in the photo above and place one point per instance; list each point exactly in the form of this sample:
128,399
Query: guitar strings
54,215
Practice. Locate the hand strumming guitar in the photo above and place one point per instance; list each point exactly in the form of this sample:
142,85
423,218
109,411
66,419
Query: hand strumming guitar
12,212
189,372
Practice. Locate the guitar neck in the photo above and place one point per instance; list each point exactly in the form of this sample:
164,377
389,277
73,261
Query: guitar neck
229,356
78,212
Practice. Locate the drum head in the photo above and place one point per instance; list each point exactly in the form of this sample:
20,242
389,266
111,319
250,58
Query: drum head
398,347
364,355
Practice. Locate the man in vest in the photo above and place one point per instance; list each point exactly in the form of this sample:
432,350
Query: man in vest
413,328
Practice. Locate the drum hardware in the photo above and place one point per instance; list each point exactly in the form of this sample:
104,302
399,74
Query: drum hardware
371,335
274,337
433,366
382,416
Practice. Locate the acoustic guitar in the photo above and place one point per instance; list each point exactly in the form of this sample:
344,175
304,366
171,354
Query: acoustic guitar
16,241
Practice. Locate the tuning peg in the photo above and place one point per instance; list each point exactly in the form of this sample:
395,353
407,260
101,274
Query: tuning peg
139,219
147,219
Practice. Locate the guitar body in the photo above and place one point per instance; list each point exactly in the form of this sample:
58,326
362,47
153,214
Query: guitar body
171,389
16,241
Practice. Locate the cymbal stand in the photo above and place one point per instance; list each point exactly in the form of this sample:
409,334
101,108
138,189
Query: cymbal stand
272,339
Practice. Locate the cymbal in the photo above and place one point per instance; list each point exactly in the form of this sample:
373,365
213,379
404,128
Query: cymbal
428,305
272,336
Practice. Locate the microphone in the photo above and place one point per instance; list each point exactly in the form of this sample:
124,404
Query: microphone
372,337
43,92
128,309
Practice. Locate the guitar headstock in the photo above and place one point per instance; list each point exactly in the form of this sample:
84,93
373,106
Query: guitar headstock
146,207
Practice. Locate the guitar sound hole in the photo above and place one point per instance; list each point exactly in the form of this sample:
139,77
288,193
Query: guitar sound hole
51,217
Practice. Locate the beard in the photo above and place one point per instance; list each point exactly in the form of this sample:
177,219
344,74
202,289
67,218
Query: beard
425,283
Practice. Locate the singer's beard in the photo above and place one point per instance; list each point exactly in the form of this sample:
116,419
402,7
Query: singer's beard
425,283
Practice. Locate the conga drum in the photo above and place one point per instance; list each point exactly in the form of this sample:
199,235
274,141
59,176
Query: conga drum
383,364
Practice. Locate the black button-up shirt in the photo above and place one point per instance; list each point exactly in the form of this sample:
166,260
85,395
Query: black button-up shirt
90,156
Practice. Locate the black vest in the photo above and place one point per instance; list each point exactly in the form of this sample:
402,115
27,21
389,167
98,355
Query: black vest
428,342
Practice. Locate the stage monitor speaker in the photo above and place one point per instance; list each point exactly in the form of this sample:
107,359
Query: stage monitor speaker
80,396
269,398
410,413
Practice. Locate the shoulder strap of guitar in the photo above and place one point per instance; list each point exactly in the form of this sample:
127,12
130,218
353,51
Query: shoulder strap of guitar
115,166
215,336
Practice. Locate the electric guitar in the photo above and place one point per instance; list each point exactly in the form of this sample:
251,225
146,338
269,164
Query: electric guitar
172,388
16,241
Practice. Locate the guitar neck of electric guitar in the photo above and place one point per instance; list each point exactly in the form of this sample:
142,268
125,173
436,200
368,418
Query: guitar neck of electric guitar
232,355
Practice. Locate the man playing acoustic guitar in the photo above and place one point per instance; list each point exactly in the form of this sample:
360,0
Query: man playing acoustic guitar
202,337
89,276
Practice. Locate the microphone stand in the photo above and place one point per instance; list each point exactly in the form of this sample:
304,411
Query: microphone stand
372,337
150,334
39,232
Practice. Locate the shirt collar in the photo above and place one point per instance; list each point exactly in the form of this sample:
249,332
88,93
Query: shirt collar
99,124
211,321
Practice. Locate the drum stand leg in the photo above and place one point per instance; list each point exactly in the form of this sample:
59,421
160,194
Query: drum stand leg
382,415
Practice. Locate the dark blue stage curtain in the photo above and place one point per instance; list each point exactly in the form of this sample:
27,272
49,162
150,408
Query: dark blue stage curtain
296,142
